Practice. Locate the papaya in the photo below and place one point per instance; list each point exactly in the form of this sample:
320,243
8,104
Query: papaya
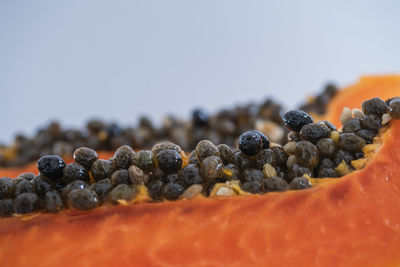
351,221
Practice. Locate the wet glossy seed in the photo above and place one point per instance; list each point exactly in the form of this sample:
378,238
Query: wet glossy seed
102,188
169,161
296,119
265,156
299,183
75,171
77,184
252,142
341,155
165,145
85,157
23,187
250,175
327,163
351,126
145,160
136,175
327,172
199,118
307,154
212,167
156,190
326,147
252,187
26,203
371,122
173,191
329,124
204,149
191,175
121,192
120,177
6,187
17,180
225,153
123,157
101,169
395,109
53,202
230,172
367,135
42,185
6,207
374,106
241,160
299,171
351,142
27,176
83,199
280,155
275,184
51,166
314,131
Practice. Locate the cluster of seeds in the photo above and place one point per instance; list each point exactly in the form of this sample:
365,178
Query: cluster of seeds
222,127
314,149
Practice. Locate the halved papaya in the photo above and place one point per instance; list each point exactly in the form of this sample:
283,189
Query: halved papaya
352,221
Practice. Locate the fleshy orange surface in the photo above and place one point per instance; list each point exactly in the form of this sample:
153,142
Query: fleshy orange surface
367,88
354,221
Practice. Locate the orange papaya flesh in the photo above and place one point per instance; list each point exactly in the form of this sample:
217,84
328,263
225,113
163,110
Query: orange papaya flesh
354,221
352,96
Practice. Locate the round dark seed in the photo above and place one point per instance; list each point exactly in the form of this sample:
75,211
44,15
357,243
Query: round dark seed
280,155
307,154
75,171
395,108
26,203
120,177
17,180
352,126
299,171
156,190
51,166
6,207
199,118
204,149
296,119
299,183
136,175
24,186
191,175
6,187
27,176
314,131
212,167
371,122
241,160
77,184
351,142
121,192
53,202
42,185
165,145
173,191
169,161
341,155
326,147
83,199
327,172
330,125
252,175
123,157
275,184
252,187
85,157
145,160
102,188
171,178
225,152
101,169
367,135
230,172
374,106
327,163
265,156
294,137
193,158
252,142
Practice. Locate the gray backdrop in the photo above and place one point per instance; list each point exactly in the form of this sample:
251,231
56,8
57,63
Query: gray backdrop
72,60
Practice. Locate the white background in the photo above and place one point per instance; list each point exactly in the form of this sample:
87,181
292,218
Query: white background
73,60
